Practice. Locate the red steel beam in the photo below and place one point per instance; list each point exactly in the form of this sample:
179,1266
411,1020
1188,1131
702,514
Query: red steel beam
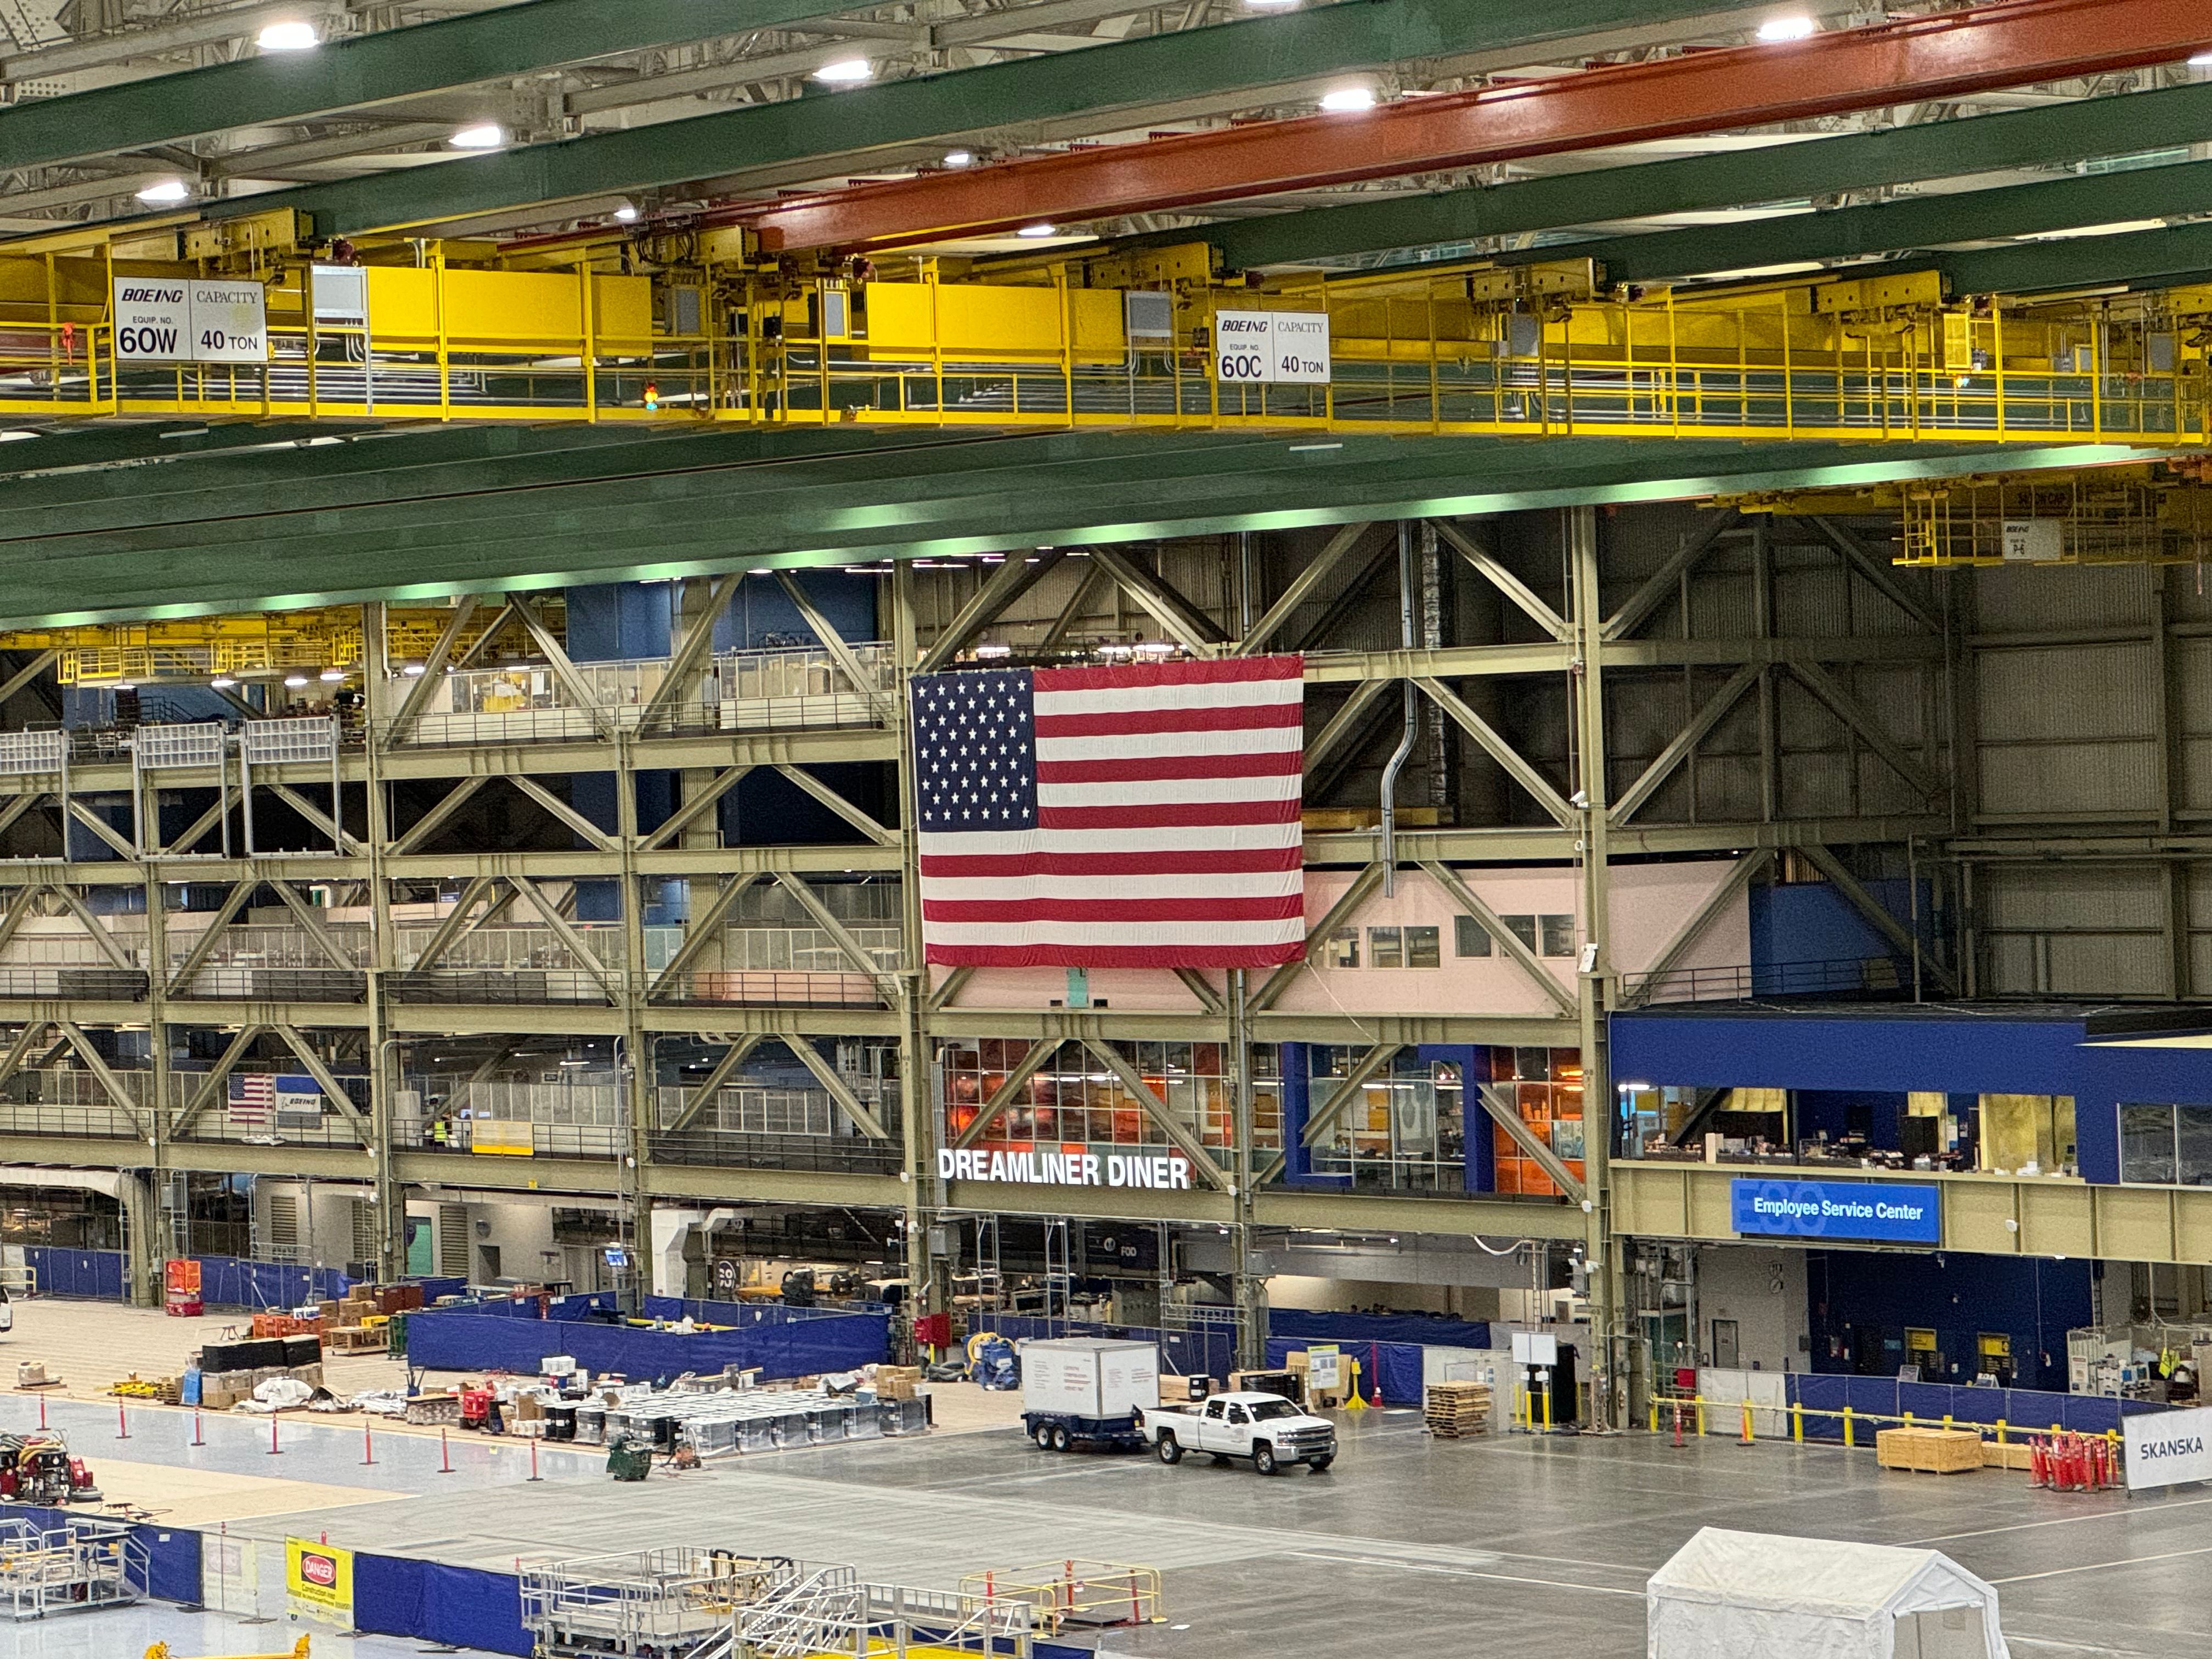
2015,43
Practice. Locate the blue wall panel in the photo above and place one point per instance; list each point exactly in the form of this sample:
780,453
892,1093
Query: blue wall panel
1956,1295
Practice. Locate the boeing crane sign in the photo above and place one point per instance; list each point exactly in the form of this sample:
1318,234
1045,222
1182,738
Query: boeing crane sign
185,319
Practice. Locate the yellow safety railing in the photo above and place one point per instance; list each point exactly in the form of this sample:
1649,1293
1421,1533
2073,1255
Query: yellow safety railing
1686,1414
1461,350
297,1651
1073,1591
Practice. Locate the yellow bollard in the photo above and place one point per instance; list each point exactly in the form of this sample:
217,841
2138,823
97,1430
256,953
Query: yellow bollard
1547,1408
1908,1420
2001,1432
1701,1416
1746,1423
1947,1422
1797,1424
1848,1441
1655,1414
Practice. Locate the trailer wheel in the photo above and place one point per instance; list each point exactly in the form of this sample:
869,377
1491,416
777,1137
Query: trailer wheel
1170,1452
1044,1436
1059,1437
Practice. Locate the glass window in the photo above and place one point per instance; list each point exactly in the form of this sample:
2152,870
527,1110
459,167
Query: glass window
1384,948
1237,1415
1522,928
2147,1144
2193,1146
1344,948
1470,938
1214,1409
1558,935
1422,944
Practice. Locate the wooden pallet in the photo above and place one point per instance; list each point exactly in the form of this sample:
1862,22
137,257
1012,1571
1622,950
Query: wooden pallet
1930,1451
1457,1410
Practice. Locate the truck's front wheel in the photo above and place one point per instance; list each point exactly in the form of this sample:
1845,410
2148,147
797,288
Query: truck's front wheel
1169,1451
1263,1459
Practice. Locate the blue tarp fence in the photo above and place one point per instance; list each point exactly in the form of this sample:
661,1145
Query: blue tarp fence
230,1281
468,1341
1398,1365
2019,1409
1349,1328
59,1271
1187,1353
459,1606
173,1553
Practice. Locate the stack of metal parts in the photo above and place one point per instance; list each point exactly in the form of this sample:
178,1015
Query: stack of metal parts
718,1421
71,1568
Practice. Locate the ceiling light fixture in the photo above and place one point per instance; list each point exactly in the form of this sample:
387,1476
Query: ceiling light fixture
1037,229
485,135
289,36
846,72
1346,101
1796,26
221,683
412,670
332,676
627,212
166,190
959,158
295,681
2201,60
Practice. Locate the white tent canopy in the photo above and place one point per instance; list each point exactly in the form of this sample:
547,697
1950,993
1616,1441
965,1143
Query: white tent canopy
1759,1595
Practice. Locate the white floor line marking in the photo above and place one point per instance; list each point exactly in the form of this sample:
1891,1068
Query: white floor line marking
1462,1572
2015,1640
2103,1566
2063,1521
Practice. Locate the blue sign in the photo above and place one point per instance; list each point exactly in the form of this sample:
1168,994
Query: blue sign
1874,1212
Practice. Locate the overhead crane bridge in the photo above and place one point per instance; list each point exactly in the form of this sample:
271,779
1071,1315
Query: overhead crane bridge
695,326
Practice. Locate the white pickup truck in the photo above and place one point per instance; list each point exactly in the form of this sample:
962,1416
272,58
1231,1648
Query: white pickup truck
1264,1427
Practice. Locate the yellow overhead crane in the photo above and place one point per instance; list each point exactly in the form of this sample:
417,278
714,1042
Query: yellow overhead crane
694,326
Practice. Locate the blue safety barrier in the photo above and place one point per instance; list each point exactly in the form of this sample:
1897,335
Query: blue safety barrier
707,1312
1349,1328
464,1340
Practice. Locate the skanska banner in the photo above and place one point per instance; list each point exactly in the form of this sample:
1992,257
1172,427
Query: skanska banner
2167,1448
1867,1211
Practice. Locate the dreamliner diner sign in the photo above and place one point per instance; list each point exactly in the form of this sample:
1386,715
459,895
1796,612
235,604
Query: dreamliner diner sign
1067,1166
183,320
1869,1211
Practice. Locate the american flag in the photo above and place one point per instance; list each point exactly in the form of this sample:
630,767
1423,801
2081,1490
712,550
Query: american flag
253,1098
1132,816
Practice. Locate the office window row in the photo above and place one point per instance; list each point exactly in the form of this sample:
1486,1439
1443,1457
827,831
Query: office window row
1422,947
2166,1145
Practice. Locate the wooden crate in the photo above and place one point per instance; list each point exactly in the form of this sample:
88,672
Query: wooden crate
1454,1411
2013,1454
356,1339
1931,1451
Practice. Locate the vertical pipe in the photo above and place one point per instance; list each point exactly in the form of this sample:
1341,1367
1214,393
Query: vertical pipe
1413,730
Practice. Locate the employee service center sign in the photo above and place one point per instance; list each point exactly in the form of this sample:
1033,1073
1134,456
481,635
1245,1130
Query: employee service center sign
1873,1211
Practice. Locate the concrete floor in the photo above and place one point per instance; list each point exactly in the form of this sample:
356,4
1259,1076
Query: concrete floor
1426,1541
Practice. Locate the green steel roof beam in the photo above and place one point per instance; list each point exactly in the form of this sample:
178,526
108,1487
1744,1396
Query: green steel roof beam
1921,222
373,68
1249,55
814,510
2161,259
2124,124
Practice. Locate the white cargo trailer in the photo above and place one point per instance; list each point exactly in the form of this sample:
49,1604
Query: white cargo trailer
1087,1389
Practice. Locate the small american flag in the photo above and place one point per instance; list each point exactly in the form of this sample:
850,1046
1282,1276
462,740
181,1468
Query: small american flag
1137,816
253,1098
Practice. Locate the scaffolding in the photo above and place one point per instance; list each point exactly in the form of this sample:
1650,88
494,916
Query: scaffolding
655,1604
71,1568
